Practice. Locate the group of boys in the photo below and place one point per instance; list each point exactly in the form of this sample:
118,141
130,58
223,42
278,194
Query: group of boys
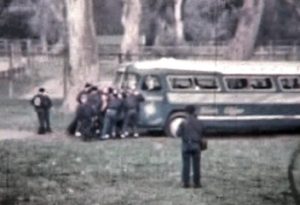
106,113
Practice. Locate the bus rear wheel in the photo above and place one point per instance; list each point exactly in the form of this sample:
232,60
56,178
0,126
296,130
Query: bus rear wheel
173,123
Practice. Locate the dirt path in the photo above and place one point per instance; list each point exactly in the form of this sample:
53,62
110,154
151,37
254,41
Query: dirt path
22,134
14,134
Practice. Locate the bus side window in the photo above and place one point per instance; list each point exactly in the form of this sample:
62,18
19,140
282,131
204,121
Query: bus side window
206,83
181,83
237,83
261,83
296,84
151,83
290,83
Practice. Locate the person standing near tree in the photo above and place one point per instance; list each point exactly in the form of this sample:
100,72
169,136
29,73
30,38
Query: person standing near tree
83,94
42,105
190,132
81,98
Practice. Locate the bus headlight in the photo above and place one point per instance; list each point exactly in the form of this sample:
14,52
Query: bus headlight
150,109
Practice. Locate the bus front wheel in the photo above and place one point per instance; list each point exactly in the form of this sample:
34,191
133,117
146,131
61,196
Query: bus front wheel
173,123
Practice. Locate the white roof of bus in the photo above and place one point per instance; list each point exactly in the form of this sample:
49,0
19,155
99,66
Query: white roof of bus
226,67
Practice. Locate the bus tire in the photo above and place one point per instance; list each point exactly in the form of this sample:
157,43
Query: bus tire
173,123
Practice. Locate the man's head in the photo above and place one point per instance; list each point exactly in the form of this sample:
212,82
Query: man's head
93,89
42,90
87,86
190,109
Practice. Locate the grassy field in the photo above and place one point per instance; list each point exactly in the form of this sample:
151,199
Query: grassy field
58,170
55,169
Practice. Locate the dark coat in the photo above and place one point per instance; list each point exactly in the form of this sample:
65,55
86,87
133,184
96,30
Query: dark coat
82,94
190,132
40,101
133,101
94,100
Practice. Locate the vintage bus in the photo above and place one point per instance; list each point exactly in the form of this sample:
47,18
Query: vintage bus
230,96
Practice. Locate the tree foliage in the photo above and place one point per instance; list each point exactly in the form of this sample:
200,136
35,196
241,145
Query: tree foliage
204,19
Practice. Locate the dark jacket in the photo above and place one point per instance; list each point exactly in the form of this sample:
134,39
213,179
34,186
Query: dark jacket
114,102
190,132
84,112
94,99
132,101
40,101
47,102
82,94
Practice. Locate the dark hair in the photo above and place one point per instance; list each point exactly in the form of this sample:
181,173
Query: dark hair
190,109
87,85
110,90
41,90
92,88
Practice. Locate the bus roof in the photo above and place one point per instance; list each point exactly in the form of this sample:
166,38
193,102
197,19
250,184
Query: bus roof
225,67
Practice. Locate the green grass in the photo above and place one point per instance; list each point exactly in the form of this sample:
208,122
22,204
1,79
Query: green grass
20,115
142,171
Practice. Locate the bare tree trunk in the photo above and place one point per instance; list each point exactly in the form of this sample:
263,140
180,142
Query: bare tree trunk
43,40
169,22
57,8
43,33
178,15
83,55
131,24
242,45
166,31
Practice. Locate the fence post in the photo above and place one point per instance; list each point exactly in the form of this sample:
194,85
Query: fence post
29,52
10,73
298,51
295,54
65,72
120,58
272,50
6,46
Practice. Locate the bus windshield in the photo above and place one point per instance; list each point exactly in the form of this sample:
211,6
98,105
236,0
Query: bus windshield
126,80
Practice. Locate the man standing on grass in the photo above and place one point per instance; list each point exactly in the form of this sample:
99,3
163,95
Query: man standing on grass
42,104
190,132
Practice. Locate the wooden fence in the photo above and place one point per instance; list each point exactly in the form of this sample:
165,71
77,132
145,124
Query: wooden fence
272,51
